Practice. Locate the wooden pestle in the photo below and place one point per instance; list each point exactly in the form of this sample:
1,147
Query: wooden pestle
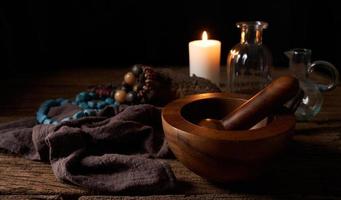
257,107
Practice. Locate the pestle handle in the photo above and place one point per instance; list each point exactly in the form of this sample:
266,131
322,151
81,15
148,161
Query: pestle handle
262,104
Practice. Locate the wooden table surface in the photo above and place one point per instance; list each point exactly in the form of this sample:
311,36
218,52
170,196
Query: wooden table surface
309,169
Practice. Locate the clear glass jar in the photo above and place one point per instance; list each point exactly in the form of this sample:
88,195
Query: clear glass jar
302,68
249,62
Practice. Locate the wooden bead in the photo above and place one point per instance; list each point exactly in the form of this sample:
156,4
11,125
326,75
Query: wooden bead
137,69
131,97
129,78
137,87
120,96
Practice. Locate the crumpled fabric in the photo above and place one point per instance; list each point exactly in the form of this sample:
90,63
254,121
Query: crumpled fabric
114,151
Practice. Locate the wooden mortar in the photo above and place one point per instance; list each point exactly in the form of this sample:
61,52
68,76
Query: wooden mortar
222,155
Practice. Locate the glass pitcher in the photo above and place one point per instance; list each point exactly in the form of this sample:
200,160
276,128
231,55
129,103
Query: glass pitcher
301,67
249,62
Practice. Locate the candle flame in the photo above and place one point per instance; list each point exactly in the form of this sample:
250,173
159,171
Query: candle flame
204,35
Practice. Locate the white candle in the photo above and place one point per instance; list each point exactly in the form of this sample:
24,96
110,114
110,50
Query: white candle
204,58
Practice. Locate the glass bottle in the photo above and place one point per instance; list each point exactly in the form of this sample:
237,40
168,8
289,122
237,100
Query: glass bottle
301,67
249,62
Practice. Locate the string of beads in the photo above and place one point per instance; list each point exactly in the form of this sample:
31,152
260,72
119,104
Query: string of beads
137,87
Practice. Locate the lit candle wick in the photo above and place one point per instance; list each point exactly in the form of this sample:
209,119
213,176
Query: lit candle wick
204,36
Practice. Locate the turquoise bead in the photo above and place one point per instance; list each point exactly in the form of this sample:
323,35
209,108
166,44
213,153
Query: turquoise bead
86,96
83,96
41,117
101,104
78,99
54,122
92,104
83,105
92,95
42,110
78,115
47,121
89,112
109,100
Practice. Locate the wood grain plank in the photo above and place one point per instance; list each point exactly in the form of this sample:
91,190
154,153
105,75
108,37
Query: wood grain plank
30,197
21,176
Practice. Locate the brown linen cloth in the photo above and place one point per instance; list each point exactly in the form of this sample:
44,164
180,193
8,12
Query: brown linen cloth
111,152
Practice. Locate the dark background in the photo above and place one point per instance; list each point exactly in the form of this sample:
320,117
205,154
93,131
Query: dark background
38,35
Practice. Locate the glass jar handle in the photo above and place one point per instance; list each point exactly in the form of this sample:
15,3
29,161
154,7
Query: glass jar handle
334,74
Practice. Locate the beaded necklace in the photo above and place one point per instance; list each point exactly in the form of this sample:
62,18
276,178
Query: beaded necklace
135,88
